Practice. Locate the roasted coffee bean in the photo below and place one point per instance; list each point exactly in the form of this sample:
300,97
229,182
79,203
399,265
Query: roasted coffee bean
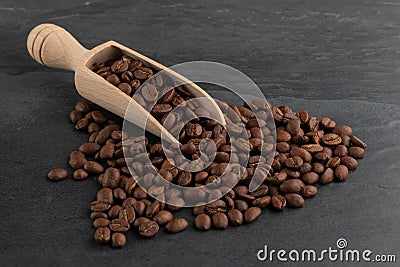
333,162
113,212
331,139
291,186
302,153
105,195
76,116
119,225
358,142
57,174
102,235
148,229
251,214
294,162
340,151
220,221
235,217
293,126
261,202
215,206
111,178
199,209
310,178
313,148
318,167
262,190
127,213
139,221
100,222
163,217
119,194
343,130
149,92
152,209
349,162
83,107
119,66
327,124
118,240
327,177
89,148
202,222
278,202
143,73
294,200
100,206
97,214
307,167
356,152
93,167
308,191
341,173
282,136
176,226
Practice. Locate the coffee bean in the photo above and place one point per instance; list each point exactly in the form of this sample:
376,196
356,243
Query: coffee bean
176,226
235,217
89,148
102,235
119,225
358,142
100,206
97,214
111,178
80,175
291,186
152,209
294,200
340,151
149,92
312,148
327,177
83,107
251,214
327,124
356,152
349,162
100,222
341,173
114,211
77,160
202,222
302,153
139,221
294,162
76,116
310,178
331,139
261,202
163,217
278,202
57,174
282,136
308,191
143,73
119,66
343,130
148,229
220,221
118,240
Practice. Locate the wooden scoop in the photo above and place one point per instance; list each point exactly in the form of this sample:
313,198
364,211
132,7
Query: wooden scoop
54,47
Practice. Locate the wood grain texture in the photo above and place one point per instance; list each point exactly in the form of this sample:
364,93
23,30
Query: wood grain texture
54,47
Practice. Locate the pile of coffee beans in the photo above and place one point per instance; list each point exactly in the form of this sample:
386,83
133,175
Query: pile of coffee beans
309,152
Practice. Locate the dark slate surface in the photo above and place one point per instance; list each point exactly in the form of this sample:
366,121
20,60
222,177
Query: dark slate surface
333,58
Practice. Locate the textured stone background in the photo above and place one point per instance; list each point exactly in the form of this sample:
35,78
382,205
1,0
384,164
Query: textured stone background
339,59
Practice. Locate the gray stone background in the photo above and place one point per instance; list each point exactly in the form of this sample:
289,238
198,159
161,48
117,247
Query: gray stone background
339,59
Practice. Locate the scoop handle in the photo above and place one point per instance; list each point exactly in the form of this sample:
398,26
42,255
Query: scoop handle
54,47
